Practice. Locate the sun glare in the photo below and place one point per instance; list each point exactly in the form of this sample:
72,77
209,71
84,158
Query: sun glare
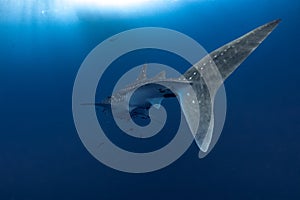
111,3
67,10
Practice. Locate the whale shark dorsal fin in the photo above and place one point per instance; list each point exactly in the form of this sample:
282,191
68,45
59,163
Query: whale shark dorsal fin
161,75
143,74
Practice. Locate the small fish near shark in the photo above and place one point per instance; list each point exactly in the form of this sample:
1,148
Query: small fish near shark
150,92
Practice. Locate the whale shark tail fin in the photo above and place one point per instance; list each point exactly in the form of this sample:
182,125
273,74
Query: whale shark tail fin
205,83
228,57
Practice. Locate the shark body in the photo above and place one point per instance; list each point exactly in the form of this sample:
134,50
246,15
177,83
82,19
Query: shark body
151,91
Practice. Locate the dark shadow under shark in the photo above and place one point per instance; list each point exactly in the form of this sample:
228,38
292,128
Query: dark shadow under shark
140,96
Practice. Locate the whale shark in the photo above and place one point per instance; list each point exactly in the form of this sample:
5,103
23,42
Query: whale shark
138,97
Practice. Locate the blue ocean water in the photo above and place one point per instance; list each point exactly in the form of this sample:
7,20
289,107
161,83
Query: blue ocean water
257,156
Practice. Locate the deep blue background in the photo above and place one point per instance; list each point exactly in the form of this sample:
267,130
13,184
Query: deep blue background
257,156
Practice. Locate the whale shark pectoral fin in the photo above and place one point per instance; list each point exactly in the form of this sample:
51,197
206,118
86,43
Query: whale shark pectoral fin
157,106
156,102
